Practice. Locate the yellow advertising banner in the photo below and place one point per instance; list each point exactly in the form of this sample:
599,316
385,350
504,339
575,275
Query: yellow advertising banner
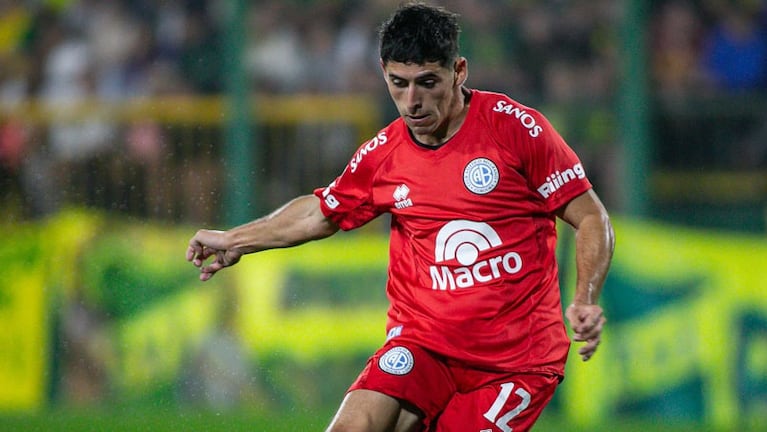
39,264
23,339
687,330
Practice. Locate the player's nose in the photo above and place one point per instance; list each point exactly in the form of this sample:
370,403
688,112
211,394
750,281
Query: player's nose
413,99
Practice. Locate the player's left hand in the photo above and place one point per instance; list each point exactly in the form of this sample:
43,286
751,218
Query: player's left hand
587,321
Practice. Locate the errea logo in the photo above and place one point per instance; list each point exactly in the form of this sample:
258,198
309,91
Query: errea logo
462,241
400,197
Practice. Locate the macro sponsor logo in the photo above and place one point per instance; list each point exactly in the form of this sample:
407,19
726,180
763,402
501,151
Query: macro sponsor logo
368,147
557,179
527,120
462,241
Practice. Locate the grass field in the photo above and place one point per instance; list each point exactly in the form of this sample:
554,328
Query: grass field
161,421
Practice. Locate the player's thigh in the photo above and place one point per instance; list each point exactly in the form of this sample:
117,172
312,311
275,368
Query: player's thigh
367,410
415,377
511,404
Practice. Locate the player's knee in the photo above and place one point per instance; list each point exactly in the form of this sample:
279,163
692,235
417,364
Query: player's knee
370,411
356,424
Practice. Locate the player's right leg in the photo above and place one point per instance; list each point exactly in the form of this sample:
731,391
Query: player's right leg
371,411
402,388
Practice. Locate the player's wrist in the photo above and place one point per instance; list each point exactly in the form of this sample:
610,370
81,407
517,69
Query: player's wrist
576,303
586,295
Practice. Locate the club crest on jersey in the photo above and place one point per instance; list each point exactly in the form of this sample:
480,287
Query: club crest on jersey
480,176
397,361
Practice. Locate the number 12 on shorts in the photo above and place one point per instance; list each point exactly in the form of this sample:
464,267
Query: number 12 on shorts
502,419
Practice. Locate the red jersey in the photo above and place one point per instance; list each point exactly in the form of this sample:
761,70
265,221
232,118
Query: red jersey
472,272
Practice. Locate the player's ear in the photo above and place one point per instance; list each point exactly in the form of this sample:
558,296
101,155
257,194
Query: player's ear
461,71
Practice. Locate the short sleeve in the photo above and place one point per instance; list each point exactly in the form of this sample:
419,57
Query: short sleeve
348,200
554,171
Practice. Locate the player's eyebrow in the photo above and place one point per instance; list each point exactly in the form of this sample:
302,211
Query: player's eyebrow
426,75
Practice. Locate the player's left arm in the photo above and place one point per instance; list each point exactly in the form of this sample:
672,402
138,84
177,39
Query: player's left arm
594,246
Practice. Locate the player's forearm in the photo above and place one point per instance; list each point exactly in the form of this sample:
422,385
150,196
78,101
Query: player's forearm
297,222
594,246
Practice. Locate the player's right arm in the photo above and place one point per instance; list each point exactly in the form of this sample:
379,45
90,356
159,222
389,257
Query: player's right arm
299,221
594,247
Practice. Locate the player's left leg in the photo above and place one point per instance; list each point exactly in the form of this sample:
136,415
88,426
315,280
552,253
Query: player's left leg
513,403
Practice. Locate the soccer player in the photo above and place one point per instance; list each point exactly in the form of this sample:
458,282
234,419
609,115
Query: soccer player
474,182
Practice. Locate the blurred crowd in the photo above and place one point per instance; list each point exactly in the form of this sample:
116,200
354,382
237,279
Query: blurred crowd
552,52
709,75
548,50
116,49
710,46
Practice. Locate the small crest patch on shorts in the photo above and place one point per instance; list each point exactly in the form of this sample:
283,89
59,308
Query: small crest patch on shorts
396,361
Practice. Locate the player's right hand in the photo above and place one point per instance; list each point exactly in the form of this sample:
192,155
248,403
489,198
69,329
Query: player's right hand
211,243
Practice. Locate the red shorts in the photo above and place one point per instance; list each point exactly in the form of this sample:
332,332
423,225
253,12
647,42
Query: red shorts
453,397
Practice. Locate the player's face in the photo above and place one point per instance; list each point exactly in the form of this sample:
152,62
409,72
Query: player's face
428,97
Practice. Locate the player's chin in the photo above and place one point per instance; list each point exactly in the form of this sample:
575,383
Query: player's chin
422,131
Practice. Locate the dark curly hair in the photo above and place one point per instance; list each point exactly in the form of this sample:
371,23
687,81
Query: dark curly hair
419,33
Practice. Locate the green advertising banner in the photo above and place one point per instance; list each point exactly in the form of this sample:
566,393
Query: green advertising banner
686,337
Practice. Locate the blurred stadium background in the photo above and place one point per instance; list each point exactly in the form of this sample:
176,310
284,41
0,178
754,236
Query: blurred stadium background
125,125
